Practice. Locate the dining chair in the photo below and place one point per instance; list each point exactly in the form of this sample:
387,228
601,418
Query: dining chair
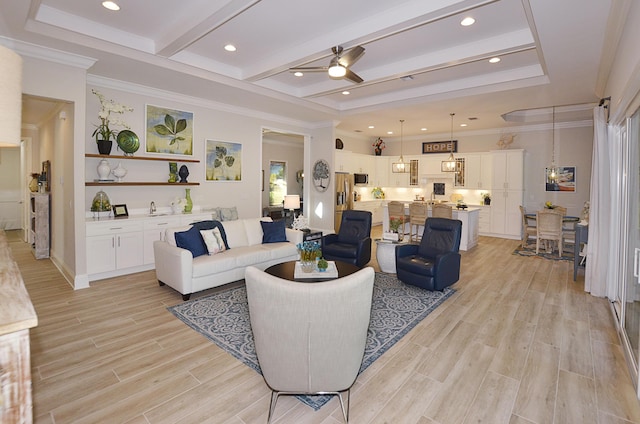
528,230
441,211
418,212
568,227
396,211
549,228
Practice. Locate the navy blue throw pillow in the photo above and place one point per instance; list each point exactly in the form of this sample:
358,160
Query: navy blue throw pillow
273,232
210,225
192,241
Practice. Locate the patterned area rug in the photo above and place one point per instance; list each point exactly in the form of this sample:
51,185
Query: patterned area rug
223,318
531,251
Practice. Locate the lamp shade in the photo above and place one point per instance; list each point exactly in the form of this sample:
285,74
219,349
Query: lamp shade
292,201
10,97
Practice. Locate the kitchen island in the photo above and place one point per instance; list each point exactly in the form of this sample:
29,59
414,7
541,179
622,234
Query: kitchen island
469,218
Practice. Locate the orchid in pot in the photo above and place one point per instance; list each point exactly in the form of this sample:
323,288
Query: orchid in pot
110,117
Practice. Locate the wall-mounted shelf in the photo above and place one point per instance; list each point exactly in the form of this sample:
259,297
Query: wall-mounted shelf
139,183
133,183
94,155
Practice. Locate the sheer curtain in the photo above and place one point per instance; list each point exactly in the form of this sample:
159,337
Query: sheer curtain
600,209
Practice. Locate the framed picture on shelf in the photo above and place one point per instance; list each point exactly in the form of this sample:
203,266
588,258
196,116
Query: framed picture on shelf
564,180
120,211
168,131
223,161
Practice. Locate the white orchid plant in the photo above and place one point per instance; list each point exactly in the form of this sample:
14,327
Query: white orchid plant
110,117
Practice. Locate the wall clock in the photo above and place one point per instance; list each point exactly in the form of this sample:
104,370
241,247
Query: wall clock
321,175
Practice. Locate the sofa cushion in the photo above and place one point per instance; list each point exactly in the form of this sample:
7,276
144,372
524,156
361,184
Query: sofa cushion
236,233
254,230
211,224
213,241
273,232
192,241
228,214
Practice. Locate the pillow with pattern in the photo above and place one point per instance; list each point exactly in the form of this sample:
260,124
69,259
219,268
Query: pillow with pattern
213,240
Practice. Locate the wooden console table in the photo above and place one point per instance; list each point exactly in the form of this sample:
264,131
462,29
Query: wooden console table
17,316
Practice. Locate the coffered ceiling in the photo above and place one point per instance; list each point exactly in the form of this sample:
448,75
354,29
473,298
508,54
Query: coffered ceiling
420,63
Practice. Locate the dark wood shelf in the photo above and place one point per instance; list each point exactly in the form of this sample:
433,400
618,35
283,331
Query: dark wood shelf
95,155
140,183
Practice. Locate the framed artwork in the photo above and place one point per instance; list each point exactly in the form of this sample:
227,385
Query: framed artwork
120,211
439,147
223,161
565,181
169,131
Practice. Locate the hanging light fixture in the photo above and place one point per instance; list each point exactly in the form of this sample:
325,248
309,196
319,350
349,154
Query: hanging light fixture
552,172
400,166
449,165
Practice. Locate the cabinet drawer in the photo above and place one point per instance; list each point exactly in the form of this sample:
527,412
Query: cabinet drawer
112,227
161,222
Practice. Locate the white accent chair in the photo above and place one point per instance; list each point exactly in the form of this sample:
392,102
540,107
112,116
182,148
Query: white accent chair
310,337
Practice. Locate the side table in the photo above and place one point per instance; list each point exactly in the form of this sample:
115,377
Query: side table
386,255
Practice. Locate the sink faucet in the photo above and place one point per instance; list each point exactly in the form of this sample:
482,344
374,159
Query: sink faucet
152,208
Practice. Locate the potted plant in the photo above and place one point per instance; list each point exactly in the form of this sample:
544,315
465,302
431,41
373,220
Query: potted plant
378,146
104,133
322,265
486,198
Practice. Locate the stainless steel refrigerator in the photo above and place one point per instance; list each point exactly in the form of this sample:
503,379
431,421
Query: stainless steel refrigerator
344,196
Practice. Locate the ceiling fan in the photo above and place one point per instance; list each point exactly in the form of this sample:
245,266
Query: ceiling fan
339,66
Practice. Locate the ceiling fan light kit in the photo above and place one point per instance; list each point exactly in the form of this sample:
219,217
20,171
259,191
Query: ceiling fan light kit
449,165
339,66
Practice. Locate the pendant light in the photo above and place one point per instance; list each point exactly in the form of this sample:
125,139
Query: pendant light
449,165
553,170
400,166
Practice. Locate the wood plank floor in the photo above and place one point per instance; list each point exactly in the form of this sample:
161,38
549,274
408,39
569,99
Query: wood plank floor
519,343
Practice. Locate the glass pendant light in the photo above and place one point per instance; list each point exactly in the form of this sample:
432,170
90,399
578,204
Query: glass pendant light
400,166
449,165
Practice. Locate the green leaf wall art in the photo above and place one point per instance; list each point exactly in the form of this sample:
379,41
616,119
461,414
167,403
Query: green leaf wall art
169,131
224,161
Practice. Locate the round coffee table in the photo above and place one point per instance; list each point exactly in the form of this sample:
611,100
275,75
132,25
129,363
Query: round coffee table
285,270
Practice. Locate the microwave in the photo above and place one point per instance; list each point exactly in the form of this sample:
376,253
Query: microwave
361,179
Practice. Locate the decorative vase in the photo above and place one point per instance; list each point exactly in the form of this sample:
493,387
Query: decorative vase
119,172
183,173
307,265
378,152
173,172
104,146
487,201
189,206
104,170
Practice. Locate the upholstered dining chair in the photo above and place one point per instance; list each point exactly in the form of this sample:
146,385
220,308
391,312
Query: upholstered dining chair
310,337
418,212
441,211
396,211
568,228
549,228
528,230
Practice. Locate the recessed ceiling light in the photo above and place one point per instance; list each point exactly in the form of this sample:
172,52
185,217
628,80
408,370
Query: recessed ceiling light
463,125
371,127
494,60
423,129
389,132
298,74
230,48
467,21
346,93
111,5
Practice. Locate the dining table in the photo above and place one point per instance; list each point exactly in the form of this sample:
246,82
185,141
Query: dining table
565,218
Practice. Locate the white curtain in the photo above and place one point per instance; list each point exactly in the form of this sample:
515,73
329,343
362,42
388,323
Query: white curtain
600,209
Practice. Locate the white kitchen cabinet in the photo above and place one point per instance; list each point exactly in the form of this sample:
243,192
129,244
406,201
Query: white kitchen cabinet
154,229
507,193
362,164
373,206
484,220
478,171
382,170
113,246
342,161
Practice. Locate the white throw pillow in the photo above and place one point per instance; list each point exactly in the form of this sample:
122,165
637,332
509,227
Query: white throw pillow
213,240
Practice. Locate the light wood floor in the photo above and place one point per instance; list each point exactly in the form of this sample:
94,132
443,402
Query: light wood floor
519,342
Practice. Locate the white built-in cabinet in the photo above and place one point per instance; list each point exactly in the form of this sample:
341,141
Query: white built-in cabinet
382,169
477,170
507,192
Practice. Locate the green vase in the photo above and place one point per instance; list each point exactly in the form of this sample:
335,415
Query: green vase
189,206
173,172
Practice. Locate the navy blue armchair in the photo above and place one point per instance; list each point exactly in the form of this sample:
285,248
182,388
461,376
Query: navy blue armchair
434,263
352,244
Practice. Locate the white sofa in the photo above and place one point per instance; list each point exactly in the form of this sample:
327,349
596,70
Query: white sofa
177,268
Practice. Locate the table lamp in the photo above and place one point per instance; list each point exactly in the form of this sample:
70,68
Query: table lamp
292,202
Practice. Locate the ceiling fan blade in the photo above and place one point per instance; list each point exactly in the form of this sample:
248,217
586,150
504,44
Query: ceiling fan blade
352,56
352,76
309,69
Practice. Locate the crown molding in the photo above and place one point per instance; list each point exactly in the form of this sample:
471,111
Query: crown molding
44,53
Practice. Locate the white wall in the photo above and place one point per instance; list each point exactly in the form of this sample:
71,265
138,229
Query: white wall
10,188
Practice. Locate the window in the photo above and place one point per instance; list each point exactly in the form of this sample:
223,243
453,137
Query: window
277,182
